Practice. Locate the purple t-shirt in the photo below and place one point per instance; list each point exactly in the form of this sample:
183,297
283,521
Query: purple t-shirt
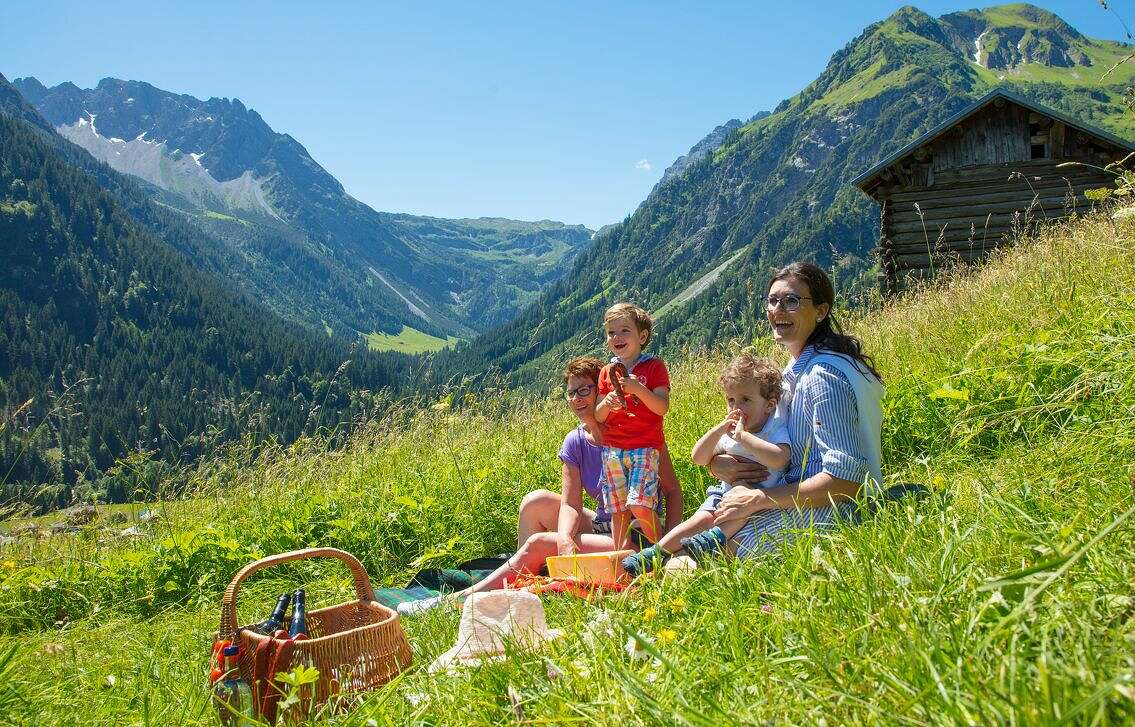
579,451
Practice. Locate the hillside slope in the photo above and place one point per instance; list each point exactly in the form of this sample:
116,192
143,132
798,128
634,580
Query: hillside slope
1003,598
777,188
112,344
300,243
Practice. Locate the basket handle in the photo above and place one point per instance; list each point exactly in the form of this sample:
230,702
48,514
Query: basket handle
228,605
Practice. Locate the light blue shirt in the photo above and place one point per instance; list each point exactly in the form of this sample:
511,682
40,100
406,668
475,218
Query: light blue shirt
824,421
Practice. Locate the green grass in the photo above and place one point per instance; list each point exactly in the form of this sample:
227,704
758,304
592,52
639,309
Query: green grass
210,214
408,340
1005,598
867,84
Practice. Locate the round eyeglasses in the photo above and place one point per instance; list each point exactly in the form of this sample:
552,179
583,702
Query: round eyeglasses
791,302
581,392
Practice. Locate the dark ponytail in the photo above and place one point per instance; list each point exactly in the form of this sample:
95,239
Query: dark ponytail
828,335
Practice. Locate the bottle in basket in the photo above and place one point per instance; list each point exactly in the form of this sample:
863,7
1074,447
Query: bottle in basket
276,620
298,627
233,695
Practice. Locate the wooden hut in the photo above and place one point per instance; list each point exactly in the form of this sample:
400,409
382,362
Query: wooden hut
989,171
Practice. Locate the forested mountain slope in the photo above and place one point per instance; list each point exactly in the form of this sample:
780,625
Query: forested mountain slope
699,249
112,343
297,240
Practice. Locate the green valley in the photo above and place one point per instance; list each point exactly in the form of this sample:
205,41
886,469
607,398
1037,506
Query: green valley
408,340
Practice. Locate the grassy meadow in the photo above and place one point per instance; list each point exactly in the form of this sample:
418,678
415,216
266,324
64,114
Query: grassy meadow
408,340
1004,598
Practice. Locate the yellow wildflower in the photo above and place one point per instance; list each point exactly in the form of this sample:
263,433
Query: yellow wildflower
649,613
666,636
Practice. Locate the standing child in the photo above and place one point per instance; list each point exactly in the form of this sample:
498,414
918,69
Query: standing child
633,434
750,430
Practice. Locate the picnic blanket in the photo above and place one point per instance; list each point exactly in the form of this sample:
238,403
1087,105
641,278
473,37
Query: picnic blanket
570,586
436,581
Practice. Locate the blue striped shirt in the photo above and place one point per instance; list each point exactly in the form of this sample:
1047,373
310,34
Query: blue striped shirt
823,422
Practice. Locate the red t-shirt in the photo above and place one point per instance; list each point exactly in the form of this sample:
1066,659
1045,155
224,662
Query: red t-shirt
636,426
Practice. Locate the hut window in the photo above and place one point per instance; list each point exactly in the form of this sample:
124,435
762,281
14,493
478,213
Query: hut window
1038,151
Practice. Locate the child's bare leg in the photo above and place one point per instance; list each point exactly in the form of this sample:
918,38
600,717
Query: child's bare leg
621,528
698,522
648,521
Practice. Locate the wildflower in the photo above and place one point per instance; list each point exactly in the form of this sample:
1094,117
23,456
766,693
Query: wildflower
111,680
666,636
635,649
53,649
9,564
649,613
766,608
677,604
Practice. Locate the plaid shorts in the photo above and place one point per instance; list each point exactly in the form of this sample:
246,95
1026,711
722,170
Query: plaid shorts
630,478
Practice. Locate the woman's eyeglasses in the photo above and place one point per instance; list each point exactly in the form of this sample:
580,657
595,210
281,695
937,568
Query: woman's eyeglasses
791,302
581,392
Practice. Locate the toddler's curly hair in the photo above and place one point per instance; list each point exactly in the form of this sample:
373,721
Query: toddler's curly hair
638,316
748,367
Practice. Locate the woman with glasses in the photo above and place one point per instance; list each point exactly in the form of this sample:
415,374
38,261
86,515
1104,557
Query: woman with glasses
557,523
834,399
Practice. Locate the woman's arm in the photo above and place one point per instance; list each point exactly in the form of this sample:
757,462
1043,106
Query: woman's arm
819,490
737,472
671,489
571,509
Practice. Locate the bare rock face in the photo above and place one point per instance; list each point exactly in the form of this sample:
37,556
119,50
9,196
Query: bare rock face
1026,34
80,515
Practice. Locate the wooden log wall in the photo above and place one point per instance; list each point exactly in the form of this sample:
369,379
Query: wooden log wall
968,212
994,135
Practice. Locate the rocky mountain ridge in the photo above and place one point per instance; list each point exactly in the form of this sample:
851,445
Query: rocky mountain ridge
285,216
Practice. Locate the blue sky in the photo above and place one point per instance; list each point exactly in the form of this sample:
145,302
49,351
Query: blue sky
566,111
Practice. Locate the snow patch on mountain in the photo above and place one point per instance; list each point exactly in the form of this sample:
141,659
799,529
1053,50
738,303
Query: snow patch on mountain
171,170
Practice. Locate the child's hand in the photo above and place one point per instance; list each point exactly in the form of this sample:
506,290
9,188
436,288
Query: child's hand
631,385
565,545
612,401
738,424
729,424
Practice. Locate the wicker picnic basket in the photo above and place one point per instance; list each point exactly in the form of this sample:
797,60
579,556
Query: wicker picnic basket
357,646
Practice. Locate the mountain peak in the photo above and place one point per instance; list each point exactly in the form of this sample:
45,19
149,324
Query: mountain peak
1006,36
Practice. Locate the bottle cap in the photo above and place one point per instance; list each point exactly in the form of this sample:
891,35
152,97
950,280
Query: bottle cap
233,650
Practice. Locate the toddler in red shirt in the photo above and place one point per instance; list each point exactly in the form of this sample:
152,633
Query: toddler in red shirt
632,436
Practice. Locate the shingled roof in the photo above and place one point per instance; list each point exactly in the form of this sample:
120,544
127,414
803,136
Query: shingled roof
864,181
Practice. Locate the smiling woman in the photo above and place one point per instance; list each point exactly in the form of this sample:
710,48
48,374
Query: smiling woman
834,397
